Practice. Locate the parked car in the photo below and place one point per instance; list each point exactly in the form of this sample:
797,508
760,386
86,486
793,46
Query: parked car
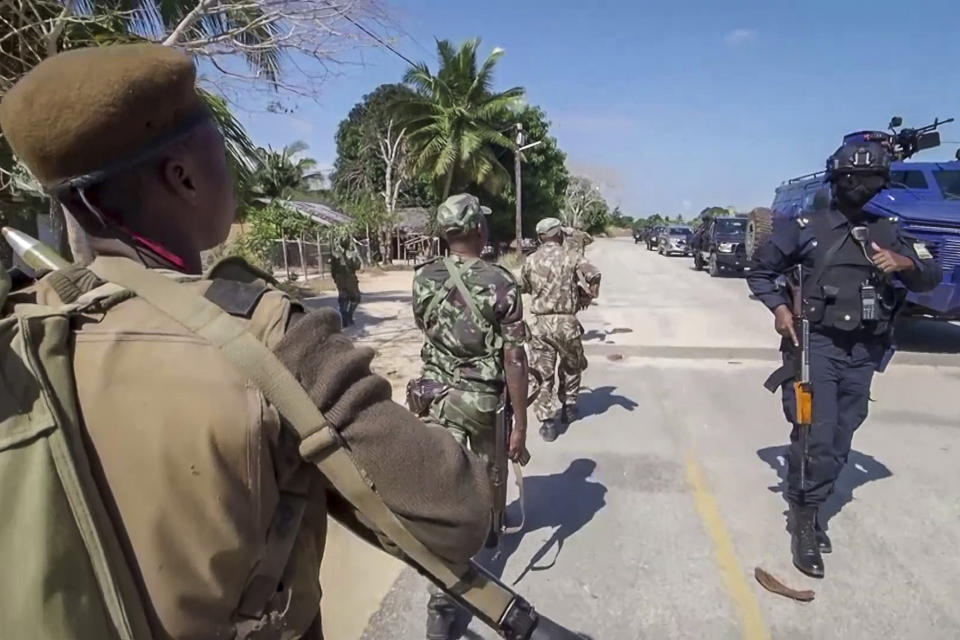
674,239
719,246
653,237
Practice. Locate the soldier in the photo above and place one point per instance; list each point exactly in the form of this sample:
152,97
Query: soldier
218,505
471,314
553,276
576,240
852,259
344,264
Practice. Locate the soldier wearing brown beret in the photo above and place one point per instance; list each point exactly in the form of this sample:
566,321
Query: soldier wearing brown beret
194,461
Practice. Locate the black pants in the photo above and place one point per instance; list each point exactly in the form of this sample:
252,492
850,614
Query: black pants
841,370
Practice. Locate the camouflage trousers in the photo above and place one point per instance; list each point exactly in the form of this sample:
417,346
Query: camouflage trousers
556,354
470,417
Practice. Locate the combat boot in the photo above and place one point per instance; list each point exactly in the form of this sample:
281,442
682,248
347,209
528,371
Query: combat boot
548,431
441,616
823,540
803,543
569,414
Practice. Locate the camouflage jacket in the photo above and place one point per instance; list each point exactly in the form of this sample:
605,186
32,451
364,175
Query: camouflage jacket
550,275
577,241
459,349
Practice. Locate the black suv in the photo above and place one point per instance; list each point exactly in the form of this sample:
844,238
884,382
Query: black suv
718,245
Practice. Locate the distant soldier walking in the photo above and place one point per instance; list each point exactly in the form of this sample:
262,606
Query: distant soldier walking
553,276
344,264
576,240
471,314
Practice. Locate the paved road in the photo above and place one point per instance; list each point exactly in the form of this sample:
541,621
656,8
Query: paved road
648,516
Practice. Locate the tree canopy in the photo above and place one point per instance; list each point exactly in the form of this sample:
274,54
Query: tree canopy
453,118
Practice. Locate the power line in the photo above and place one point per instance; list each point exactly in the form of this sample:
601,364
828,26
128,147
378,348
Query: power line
383,42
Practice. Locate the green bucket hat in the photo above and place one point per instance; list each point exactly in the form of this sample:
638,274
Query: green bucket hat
461,212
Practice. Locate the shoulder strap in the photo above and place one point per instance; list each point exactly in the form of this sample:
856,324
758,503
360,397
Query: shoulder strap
318,443
456,277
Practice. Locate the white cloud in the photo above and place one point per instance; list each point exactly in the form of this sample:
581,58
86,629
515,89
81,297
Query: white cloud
740,36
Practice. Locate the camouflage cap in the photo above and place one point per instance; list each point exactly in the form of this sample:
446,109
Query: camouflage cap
549,227
78,116
461,212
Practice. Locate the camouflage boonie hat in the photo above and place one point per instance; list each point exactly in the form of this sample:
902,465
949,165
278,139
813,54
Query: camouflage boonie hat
549,227
461,212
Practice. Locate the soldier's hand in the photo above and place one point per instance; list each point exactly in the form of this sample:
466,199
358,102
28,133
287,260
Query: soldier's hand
783,322
517,451
890,262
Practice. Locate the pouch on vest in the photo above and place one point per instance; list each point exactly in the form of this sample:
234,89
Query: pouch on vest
64,574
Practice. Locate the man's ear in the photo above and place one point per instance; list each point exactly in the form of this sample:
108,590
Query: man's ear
178,177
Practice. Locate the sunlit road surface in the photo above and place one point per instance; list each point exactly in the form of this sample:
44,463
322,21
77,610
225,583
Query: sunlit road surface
647,517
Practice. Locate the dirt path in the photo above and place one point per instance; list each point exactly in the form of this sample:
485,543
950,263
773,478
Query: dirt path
355,577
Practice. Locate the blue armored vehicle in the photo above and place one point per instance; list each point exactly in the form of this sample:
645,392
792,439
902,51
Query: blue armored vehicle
924,196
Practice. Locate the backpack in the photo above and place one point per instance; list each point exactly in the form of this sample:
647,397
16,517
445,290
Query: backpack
64,574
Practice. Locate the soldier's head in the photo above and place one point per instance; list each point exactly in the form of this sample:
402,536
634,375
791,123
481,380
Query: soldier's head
550,230
463,222
858,171
121,136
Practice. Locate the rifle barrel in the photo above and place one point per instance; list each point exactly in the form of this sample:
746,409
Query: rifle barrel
37,255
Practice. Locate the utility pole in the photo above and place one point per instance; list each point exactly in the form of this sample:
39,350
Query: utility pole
517,159
516,174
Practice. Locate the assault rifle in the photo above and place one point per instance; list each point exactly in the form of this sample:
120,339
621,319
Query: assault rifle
499,473
796,367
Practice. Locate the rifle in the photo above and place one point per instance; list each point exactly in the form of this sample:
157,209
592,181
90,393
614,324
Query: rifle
802,388
796,366
500,470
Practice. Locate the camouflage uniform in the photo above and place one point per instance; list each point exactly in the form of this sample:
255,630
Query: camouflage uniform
463,354
576,240
344,264
459,352
550,274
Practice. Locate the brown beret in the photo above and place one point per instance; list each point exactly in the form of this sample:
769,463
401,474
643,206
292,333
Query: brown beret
81,114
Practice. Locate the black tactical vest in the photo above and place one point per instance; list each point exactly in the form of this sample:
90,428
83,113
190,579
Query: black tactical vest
832,293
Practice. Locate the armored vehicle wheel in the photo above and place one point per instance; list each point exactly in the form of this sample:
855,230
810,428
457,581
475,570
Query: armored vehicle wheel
714,266
759,227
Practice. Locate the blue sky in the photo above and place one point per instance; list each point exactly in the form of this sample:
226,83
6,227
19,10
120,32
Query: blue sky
674,106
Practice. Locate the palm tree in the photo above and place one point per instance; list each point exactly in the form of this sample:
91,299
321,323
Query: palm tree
453,119
279,173
41,28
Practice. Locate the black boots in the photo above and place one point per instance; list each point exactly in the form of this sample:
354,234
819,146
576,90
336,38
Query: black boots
804,543
441,617
569,413
548,431
823,540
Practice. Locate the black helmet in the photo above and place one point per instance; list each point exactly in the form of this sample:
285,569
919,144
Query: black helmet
863,156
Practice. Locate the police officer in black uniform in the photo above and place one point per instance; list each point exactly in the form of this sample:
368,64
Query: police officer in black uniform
851,259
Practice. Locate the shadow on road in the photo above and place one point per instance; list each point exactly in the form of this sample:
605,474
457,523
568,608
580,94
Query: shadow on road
603,334
601,399
920,335
859,470
564,502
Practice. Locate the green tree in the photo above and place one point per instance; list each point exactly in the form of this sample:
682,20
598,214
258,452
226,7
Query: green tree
453,118
281,173
359,170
